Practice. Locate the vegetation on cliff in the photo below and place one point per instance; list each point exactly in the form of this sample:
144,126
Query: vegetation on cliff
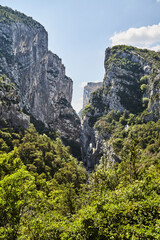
132,75
8,15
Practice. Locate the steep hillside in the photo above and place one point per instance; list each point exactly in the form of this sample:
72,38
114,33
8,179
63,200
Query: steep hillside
130,95
44,91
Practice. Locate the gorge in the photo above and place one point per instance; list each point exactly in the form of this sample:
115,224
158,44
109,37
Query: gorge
62,176
34,83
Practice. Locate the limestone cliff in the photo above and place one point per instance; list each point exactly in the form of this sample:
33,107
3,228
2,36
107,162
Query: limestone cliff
44,91
88,89
10,105
132,86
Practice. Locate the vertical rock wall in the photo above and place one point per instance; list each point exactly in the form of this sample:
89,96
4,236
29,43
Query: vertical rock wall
45,92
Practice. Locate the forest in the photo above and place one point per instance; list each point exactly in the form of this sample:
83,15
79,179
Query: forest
45,193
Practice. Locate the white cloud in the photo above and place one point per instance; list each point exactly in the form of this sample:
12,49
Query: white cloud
158,0
144,37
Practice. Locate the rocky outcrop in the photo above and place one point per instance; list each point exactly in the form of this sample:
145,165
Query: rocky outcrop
45,92
88,89
9,105
131,83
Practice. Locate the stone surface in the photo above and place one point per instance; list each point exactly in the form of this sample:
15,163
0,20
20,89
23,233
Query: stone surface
132,83
45,92
10,106
88,89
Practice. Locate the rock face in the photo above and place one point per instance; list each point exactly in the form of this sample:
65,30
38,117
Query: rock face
10,105
131,83
88,89
45,92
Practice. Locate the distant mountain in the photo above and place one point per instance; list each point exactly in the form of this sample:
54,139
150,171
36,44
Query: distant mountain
88,89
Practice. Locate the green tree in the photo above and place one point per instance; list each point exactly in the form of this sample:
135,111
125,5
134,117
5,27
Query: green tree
16,190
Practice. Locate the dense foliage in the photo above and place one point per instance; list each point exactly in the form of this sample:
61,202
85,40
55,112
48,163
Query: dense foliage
7,15
46,194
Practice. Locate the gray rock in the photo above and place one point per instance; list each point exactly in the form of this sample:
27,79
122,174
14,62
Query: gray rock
10,106
123,89
44,90
88,89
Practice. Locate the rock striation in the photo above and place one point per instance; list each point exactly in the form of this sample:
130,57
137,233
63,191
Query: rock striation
131,83
44,91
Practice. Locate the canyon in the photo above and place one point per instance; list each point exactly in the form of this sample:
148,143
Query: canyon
34,88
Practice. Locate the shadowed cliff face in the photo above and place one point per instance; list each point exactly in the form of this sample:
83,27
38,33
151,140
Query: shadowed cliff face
131,83
10,105
45,92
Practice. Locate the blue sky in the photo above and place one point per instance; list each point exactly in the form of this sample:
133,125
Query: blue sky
80,31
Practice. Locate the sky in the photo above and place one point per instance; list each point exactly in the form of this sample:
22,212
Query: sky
79,31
